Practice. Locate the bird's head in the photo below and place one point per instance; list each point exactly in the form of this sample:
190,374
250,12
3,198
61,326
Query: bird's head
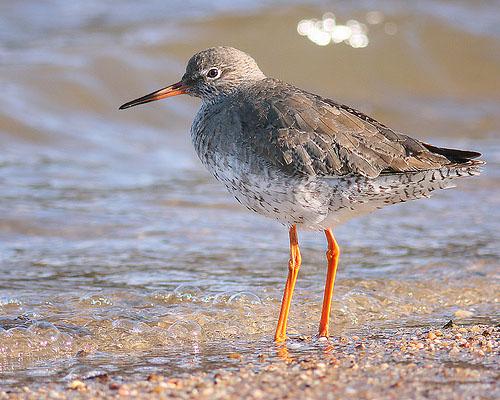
210,74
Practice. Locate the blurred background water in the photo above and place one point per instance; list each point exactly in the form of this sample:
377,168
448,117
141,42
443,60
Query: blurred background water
120,254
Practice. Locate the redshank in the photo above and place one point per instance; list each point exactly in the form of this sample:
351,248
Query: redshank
306,161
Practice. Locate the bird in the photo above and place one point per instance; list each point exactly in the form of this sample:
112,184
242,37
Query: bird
309,162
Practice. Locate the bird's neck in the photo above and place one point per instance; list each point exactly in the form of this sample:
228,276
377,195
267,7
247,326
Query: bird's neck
230,93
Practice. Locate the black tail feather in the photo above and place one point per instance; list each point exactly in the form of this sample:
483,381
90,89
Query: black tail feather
454,155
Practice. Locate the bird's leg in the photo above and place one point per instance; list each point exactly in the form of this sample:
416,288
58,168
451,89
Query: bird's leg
293,271
332,256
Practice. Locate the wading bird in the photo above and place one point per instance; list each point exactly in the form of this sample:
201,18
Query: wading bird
306,161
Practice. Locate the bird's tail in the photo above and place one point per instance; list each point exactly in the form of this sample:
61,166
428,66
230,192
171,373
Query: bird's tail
367,194
453,155
415,185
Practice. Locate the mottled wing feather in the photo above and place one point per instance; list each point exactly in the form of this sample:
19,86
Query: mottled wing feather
308,135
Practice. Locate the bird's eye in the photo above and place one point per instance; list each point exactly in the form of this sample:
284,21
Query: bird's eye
213,73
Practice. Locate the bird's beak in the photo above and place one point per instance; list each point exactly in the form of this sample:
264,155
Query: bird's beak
169,91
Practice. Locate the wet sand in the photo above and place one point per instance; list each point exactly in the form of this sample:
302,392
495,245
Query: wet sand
450,362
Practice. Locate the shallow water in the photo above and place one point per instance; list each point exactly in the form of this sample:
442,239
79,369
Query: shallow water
120,254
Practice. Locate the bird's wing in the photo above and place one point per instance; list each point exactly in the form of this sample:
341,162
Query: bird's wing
305,134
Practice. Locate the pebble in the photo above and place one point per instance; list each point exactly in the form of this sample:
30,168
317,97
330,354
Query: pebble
76,385
124,390
154,378
463,314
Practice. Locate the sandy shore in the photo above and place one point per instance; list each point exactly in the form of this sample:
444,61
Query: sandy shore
440,363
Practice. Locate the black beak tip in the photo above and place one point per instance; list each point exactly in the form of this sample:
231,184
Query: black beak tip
124,106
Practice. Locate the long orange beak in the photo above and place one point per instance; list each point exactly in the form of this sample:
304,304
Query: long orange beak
169,91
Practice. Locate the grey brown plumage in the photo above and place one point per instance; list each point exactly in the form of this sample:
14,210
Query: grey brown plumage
303,133
304,160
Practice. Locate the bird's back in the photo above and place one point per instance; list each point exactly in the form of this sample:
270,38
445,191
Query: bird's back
305,134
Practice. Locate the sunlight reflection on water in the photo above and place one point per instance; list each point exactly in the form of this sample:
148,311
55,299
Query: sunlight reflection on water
353,33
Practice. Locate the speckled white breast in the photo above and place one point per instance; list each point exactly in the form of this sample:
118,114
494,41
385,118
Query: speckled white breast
319,203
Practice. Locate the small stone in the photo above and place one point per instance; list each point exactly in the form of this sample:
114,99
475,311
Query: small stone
81,353
234,356
102,378
123,390
154,378
174,383
77,385
350,390
218,377
463,314
207,392
449,325
431,335
158,389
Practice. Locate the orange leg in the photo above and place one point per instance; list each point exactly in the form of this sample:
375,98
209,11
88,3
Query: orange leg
293,271
332,256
